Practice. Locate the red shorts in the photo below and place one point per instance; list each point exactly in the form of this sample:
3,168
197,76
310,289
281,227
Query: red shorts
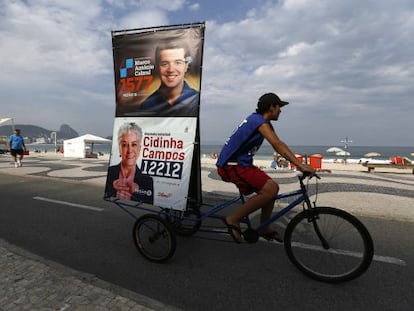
248,179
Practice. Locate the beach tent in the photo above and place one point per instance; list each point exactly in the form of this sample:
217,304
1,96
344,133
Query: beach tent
334,149
5,139
372,154
76,147
343,153
3,120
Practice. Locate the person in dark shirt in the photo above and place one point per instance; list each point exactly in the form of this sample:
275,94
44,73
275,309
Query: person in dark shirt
174,97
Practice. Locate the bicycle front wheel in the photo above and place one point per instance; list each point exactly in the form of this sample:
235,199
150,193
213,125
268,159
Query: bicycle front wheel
328,244
154,238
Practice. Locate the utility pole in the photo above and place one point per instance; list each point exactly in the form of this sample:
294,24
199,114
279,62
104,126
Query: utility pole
346,142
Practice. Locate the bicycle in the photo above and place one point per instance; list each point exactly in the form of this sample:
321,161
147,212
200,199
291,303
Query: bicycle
325,243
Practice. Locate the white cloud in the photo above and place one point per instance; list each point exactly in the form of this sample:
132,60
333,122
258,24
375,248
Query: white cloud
143,18
163,5
53,38
194,7
296,49
56,54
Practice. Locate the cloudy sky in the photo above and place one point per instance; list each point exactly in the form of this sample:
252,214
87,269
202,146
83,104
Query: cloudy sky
346,67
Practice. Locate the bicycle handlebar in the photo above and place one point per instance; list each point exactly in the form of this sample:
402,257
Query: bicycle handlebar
306,174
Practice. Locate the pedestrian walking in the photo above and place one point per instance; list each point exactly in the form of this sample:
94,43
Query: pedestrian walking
16,147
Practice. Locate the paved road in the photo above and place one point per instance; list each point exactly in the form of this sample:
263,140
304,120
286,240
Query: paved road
30,282
94,237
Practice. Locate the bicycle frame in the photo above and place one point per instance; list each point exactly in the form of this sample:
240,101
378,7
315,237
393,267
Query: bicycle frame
303,197
215,209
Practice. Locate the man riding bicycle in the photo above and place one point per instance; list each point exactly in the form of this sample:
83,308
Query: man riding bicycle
235,164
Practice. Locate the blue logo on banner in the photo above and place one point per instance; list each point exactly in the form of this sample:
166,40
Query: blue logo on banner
129,63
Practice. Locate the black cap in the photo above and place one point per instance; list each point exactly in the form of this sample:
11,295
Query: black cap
267,100
272,98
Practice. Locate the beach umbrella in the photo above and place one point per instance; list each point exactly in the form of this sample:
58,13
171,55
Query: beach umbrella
372,154
334,149
343,153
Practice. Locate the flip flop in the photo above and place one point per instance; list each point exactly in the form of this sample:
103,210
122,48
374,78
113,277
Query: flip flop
272,236
231,229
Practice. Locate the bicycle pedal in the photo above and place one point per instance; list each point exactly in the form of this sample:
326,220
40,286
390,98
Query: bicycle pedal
250,235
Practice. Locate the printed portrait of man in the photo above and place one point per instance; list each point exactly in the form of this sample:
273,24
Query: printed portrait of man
174,97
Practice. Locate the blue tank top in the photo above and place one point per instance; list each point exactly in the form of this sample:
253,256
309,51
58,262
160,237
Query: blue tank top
242,145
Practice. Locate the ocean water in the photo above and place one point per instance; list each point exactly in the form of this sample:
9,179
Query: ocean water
266,151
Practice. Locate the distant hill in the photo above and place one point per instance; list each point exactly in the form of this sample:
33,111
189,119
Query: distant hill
33,131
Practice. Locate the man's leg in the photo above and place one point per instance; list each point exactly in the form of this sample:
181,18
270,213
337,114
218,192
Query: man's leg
268,233
264,199
20,157
267,211
14,155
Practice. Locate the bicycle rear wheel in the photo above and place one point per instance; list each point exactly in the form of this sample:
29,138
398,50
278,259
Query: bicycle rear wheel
154,238
328,244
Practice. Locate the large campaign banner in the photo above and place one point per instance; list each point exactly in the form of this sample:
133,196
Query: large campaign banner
155,150
158,71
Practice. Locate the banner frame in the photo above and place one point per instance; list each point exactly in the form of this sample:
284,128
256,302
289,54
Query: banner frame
194,195
156,28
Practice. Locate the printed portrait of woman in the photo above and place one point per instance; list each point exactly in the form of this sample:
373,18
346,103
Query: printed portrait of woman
125,180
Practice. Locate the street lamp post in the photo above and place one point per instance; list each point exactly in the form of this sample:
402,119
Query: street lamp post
53,135
346,142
